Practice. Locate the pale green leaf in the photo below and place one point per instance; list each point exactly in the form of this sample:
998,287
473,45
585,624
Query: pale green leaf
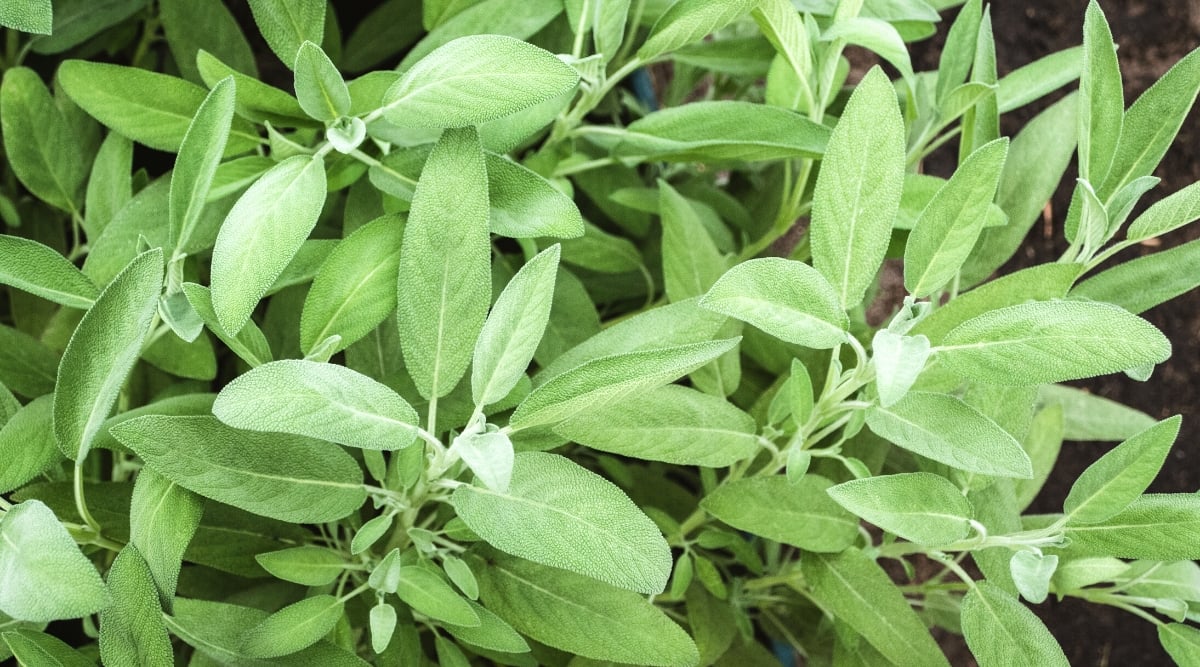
492,633
858,189
35,16
262,233
110,186
1088,417
497,17
256,101
474,79
306,565
444,286
1170,213
1039,78
102,351
1145,282
286,24
1181,642
919,506
898,360
383,626
722,131
1031,572
43,575
1051,341
1001,631
489,455
429,594
691,261
27,444
875,35
249,344
524,204
957,56
132,631
293,628
800,514
43,149
578,614
1102,102
163,518
199,155
1155,527
1120,476
689,21
30,266
30,647
1042,443
319,87
192,26
560,514
289,478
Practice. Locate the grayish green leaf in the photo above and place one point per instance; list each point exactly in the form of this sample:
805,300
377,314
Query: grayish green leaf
429,594
286,24
875,35
1102,102
319,86
898,360
42,148
722,131
1031,572
163,518
132,631
524,204
1155,527
110,186
256,100
1001,631
30,266
307,565
199,154
1120,476
785,298
689,21
293,628
800,514
249,344
919,506
1088,417
489,455
383,626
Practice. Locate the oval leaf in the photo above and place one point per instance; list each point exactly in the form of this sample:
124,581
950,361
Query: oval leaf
1001,631
800,514
920,507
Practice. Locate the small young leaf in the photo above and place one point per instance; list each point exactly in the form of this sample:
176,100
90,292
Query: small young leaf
560,514
132,631
43,575
689,21
1001,631
199,155
800,514
920,507
36,16
383,626
1119,477
262,233
513,329
289,478
858,189
306,565
370,533
385,577
444,286
462,576
898,361
318,400
319,87
293,628
1031,573
287,24
102,351
474,79
429,594
489,455
1102,102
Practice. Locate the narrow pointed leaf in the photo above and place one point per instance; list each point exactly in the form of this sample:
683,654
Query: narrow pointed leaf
286,24
32,267
429,594
723,131
800,514
307,565
1119,477
785,298
40,145
132,631
293,628
1156,526
319,87
919,506
249,344
199,155
1001,631
27,444
689,21
1102,101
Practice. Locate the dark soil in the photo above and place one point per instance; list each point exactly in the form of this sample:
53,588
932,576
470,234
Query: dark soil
1152,35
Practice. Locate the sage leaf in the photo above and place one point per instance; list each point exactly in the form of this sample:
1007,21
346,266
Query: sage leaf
858,189
163,518
75,22
256,101
689,21
102,351
38,648
192,26
800,514
1180,641
249,344
560,514
27,366
673,424
1102,101
945,429
1089,417
578,614
898,361
611,378
919,506
1002,631
855,590
489,455
27,444
36,16
293,628
1145,282
513,329
524,204
199,155
492,633
262,233
1031,573
1168,214
1119,477
43,575
132,631
429,594
383,626
1154,527
319,87
475,79
110,186
691,261
42,148
1051,341
785,298
288,478
444,286
306,565
287,24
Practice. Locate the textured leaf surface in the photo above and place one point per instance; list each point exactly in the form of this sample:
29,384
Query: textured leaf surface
723,131
429,594
689,21
27,444
288,478
132,631
1119,477
1155,527
36,16
199,155
319,87
919,506
800,514
293,628
286,24
163,518
560,514
43,149
1001,631
38,648
307,565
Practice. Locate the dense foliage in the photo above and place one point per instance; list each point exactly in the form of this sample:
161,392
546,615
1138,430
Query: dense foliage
433,345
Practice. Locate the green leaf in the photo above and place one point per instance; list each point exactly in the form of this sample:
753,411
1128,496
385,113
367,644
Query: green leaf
288,478
163,518
945,429
608,379
875,35
689,21
460,573
150,108
27,444
785,298
1051,341
369,534
1089,417
1001,631
1145,282
1039,78
691,261
560,514
672,423
1170,213
722,131
580,615
38,648
306,565
355,288
40,270
497,17
1155,527
1042,443
489,455
36,16
262,233
102,351
383,626
199,155
955,62
898,361
192,26
445,287
249,344
1120,476
132,631
26,365
256,101
858,189
513,329
800,514
110,186
856,591
293,628
429,594
43,575
492,633
287,24
1031,572
524,204
319,86
76,21
1181,642
1102,101
42,148
919,507
475,79
947,230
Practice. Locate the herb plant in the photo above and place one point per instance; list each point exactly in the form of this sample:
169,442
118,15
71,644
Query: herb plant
487,358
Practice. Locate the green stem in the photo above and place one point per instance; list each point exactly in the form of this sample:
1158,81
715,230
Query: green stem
81,502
